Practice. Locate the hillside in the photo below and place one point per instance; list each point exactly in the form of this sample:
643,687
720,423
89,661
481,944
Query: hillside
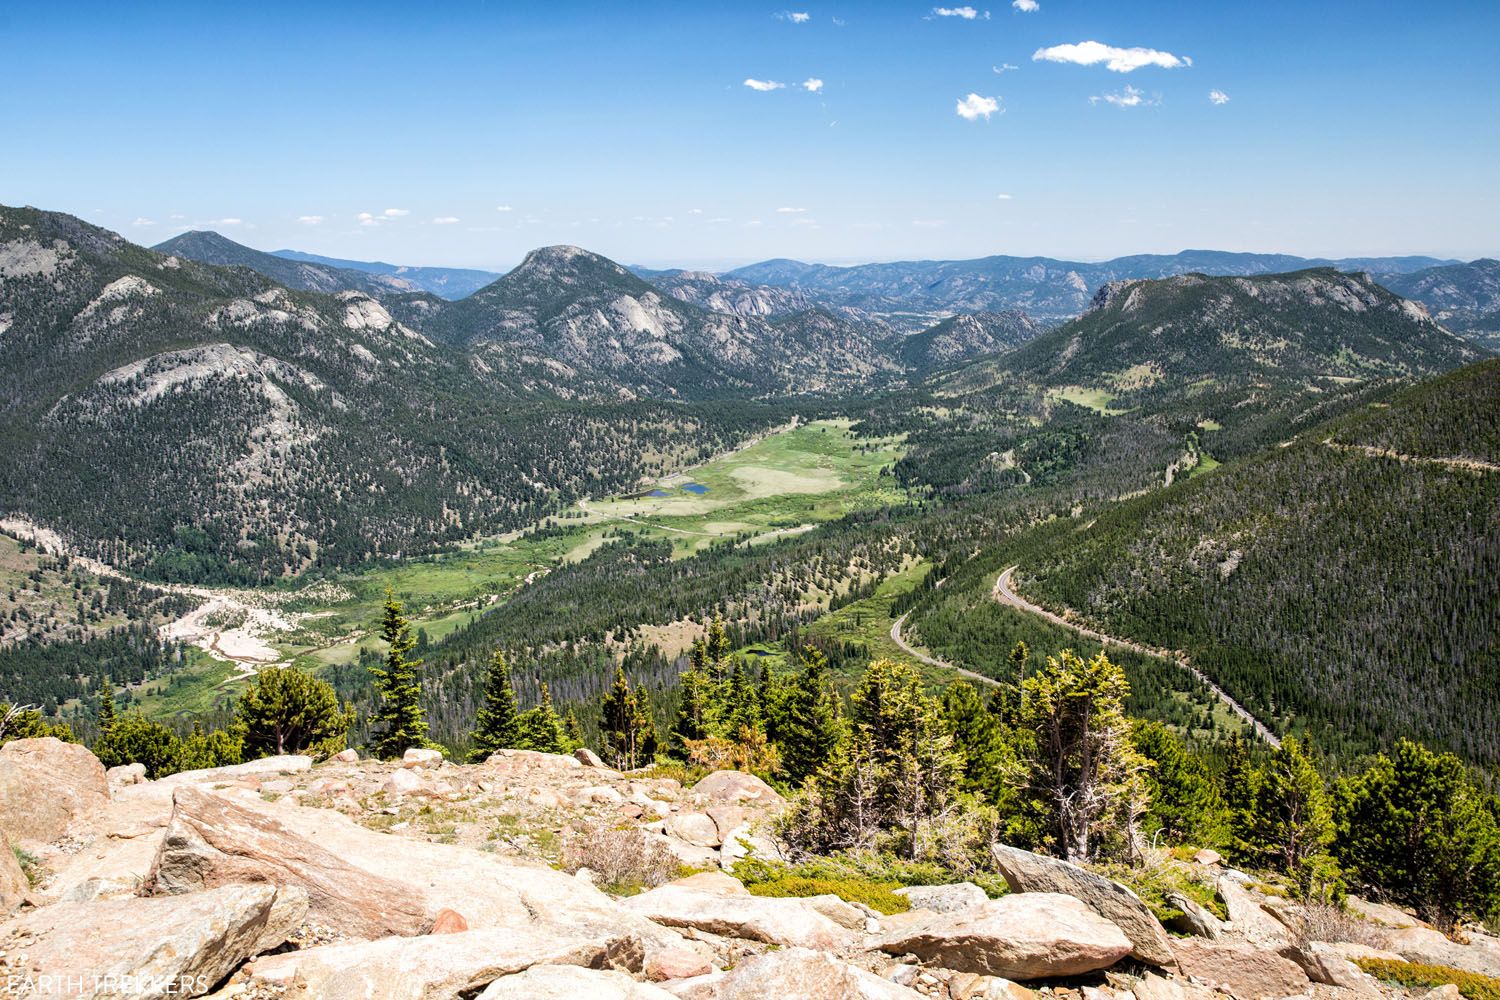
1327,585
1463,297
305,276
960,338
194,422
445,282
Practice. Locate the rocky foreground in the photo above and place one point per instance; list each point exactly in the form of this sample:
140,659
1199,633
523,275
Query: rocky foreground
422,879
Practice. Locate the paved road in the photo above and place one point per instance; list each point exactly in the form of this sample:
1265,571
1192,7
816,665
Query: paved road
910,651
1005,593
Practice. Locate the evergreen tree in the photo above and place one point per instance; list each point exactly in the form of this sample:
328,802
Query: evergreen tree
809,730
1186,805
741,703
691,722
990,765
106,715
286,710
134,739
540,728
628,737
1415,827
1290,825
497,723
399,723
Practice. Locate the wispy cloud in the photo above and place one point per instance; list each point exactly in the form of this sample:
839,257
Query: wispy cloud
795,16
1004,68
974,107
967,13
1005,197
395,213
227,222
1026,6
1130,97
790,211
763,85
366,219
1114,58
310,220
695,211
812,85
445,220
1218,97
504,208
144,222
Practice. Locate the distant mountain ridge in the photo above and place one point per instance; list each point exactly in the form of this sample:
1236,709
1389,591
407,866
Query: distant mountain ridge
207,247
446,282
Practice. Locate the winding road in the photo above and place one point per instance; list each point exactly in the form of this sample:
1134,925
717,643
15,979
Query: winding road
1005,593
912,652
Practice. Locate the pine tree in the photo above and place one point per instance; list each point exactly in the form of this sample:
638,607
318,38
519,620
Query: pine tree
1291,824
741,703
497,723
399,723
286,710
691,722
106,715
716,649
809,730
628,738
540,728
990,765
1186,805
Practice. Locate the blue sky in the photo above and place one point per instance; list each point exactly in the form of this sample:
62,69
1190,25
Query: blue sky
361,130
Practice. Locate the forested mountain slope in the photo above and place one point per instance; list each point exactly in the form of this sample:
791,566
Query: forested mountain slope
1329,588
194,422
446,282
970,335
1463,297
303,276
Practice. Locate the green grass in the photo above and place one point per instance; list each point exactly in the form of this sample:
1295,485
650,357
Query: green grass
204,684
880,896
1095,399
1472,985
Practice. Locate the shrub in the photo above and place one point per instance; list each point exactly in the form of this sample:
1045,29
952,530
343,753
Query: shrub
624,860
1158,876
866,867
1471,984
1323,922
880,896
30,866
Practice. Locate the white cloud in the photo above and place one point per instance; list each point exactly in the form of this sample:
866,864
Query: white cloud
504,208
974,107
366,219
791,211
795,16
227,222
1218,97
1117,59
144,222
1026,6
1003,68
1005,197
719,220
812,85
445,220
762,85
1130,97
395,213
967,13
310,220
695,211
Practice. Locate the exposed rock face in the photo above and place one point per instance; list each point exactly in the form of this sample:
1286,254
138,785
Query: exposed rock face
735,787
179,945
1027,872
210,842
263,767
1194,919
1324,964
775,921
428,968
13,883
48,789
1250,917
568,982
803,974
944,898
1034,935
1244,971
1420,944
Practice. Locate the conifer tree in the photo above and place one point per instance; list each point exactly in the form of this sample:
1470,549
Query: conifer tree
1291,823
1186,805
106,716
399,722
693,708
628,737
287,710
540,728
809,730
990,765
741,702
497,723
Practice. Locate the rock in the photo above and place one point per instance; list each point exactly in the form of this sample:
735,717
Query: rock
774,921
1447,991
1208,857
804,975
402,782
348,755
1249,917
844,914
509,759
421,757
1192,918
264,767
677,963
212,842
967,986
1354,952
1323,964
448,922
587,757
1243,970
397,968
124,775
1380,913
697,829
741,843
944,898
568,982
13,882
1420,944
1033,935
687,854
1026,872
48,789
737,787
714,882
726,818
181,945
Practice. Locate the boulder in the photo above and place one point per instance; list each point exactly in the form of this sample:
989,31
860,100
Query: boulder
124,775
402,782
180,945
1026,872
348,755
774,921
49,789
1207,857
1243,970
428,968
421,757
211,841
967,986
735,787
741,842
587,757
1250,917
1429,947
509,760
697,829
944,898
569,982
1380,913
1355,952
677,963
13,882
841,912
804,975
1033,935
1323,964
1192,918
448,922
264,767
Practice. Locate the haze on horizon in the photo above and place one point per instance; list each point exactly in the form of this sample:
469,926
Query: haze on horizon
669,134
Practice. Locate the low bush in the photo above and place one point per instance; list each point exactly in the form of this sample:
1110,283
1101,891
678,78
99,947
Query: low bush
880,896
864,867
1412,974
1159,876
1325,922
624,860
